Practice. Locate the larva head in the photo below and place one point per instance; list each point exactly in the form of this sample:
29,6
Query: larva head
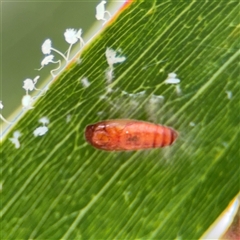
97,136
89,132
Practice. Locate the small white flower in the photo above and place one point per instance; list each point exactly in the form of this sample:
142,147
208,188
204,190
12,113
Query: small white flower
27,102
36,79
112,58
40,131
100,11
44,120
1,105
71,35
172,75
48,59
229,94
85,82
15,140
171,79
17,134
47,47
79,36
28,84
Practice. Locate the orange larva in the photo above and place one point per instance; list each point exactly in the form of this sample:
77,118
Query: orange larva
128,134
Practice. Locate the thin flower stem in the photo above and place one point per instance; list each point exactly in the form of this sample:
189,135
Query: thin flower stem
82,43
39,68
60,54
59,62
68,53
109,14
37,89
1,117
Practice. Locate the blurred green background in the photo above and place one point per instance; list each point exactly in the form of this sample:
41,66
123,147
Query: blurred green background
25,26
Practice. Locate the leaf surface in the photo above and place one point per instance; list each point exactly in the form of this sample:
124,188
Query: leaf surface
59,187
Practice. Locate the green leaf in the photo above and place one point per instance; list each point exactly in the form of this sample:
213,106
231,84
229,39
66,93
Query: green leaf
58,186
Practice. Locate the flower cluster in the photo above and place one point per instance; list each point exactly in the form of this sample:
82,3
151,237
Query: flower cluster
72,36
